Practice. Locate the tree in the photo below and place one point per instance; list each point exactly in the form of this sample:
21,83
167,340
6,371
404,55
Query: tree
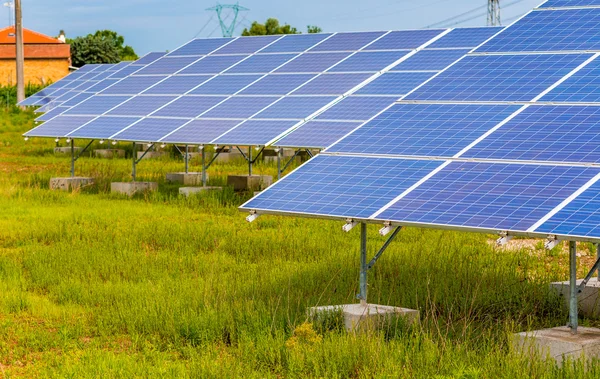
313,29
272,26
126,52
90,49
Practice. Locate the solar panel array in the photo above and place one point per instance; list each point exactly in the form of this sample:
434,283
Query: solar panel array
504,140
254,90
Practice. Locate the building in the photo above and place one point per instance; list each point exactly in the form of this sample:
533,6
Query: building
47,59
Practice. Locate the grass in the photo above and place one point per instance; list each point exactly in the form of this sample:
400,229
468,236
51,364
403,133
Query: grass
98,285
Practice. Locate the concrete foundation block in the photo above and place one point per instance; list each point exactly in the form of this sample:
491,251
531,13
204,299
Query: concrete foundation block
131,188
230,156
70,183
151,154
249,183
109,153
188,191
67,150
559,343
589,298
357,316
187,179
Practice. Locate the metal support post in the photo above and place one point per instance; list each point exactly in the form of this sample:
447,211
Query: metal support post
598,256
279,164
72,158
187,157
133,173
363,264
573,306
250,161
203,166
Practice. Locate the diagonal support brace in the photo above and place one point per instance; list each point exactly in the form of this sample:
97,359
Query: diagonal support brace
589,276
247,158
383,248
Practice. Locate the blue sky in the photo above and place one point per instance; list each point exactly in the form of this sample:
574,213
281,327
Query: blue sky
159,25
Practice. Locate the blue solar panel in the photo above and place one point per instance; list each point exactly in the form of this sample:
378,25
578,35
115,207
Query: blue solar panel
297,107
167,66
277,84
97,105
581,217
141,106
489,195
125,72
149,58
77,99
262,63
435,130
342,186
51,114
247,45
570,3
430,60
213,64
559,30
225,84
189,106
255,132
200,131
308,63
404,39
85,85
89,67
356,108
101,85
200,46
347,41
582,87
465,37
499,77
132,85
372,61
149,130
546,133
31,100
318,134
59,126
101,75
295,43
178,85
332,84
240,107
103,127
395,83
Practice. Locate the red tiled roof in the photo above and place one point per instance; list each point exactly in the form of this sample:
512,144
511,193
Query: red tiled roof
7,36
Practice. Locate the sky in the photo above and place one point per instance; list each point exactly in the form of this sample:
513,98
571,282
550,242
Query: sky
155,25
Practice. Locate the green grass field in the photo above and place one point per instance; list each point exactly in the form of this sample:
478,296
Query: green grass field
98,285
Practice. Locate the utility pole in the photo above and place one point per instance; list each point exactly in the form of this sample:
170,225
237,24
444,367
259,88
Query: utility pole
227,30
19,54
493,14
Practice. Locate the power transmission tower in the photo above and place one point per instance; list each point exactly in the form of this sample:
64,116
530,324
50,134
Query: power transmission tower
493,13
234,9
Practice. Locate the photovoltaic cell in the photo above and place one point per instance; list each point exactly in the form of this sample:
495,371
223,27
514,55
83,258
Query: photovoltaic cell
465,37
77,99
189,106
582,87
347,41
167,66
51,114
103,127
356,108
372,61
125,72
309,63
178,85
404,39
436,130
97,105
240,107
200,131
255,132
317,134
101,85
225,84
260,64
332,84
489,195
213,64
200,46
558,30
545,133
342,186
430,60
149,58
297,107
295,43
59,126
141,106
570,3
149,130
395,83
132,85
277,84
499,77
247,45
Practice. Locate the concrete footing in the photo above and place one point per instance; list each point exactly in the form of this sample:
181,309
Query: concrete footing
559,343
151,154
70,183
109,153
187,179
357,316
67,150
589,298
131,188
188,191
246,183
229,156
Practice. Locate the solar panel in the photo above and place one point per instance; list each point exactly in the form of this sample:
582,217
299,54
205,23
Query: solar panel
255,132
225,84
103,127
372,61
247,45
295,43
499,77
200,131
356,108
97,105
213,64
317,134
149,58
570,3
296,107
125,72
404,39
141,105
260,64
332,84
436,130
240,107
312,63
132,85
77,99
149,129
101,86
582,87
166,66
200,47
277,84
347,41
59,126
178,85
489,195
430,60
559,30
51,114
342,186
395,83
189,106
465,38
